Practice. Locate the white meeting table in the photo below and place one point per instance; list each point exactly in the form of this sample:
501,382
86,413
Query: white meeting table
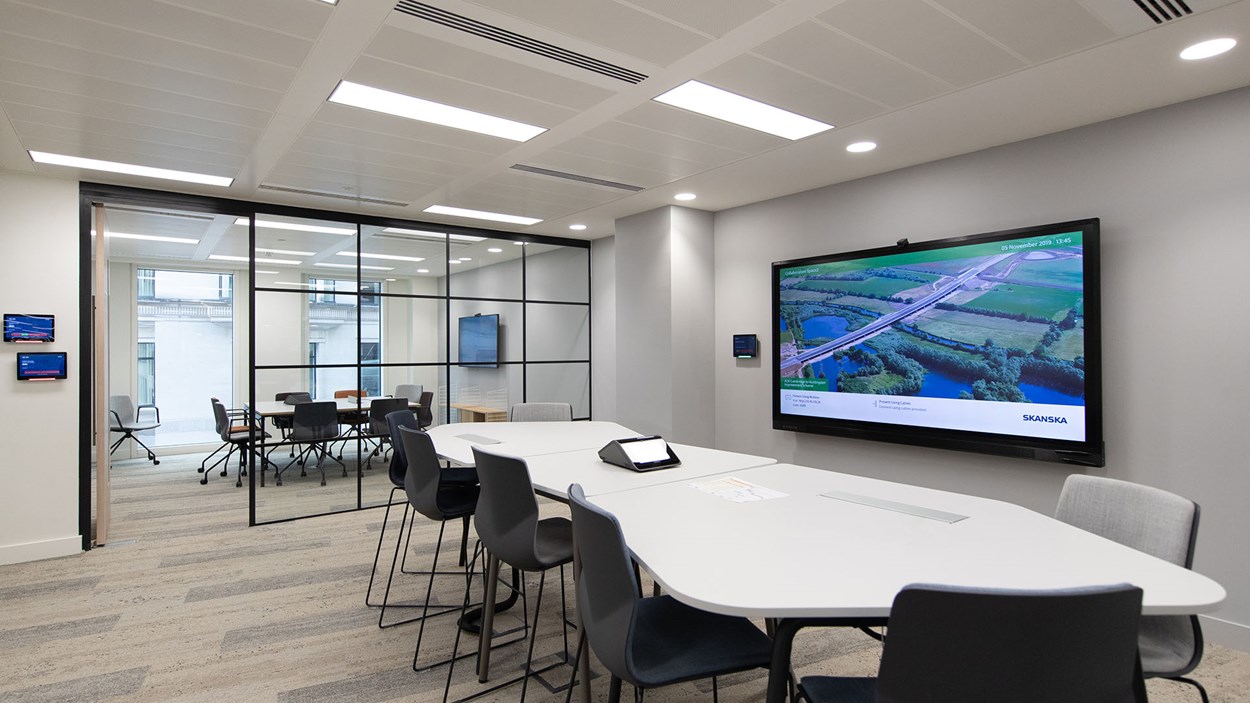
806,558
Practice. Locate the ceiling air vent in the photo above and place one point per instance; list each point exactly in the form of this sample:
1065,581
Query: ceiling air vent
324,194
577,177
517,41
1164,10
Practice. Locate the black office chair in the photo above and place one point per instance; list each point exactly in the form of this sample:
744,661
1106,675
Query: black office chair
379,433
1156,522
509,528
425,412
283,423
655,641
958,645
239,437
316,425
125,418
233,416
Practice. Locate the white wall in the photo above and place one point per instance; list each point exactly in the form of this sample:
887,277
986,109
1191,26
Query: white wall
603,341
39,472
1171,187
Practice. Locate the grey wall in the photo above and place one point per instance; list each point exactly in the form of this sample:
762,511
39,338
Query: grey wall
603,339
1173,190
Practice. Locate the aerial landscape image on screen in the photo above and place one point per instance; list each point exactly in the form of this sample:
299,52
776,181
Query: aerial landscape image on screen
992,321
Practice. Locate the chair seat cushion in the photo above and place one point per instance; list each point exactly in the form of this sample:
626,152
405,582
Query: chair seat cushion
242,435
820,689
553,543
673,642
136,427
462,475
456,500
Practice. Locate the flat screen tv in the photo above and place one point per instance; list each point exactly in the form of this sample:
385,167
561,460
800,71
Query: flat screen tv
478,341
41,366
987,343
29,328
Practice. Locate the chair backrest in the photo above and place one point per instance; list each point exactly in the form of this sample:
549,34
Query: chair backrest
315,420
954,645
349,394
425,413
379,408
411,391
399,460
606,589
221,420
541,412
423,480
121,410
507,510
1150,520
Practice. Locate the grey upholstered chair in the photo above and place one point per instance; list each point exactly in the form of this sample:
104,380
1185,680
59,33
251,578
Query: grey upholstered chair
125,418
510,529
411,391
240,438
956,645
1156,522
649,642
541,412
316,425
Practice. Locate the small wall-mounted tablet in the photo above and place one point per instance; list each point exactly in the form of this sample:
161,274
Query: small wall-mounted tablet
20,327
746,346
41,366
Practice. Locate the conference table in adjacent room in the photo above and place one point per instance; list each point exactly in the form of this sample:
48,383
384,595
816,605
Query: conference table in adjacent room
807,546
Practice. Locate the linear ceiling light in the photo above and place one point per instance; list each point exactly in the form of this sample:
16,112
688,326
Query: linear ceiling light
244,259
352,266
434,235
150,238
288,252
731,107
378,100
388,257
44,157
481,215
298,227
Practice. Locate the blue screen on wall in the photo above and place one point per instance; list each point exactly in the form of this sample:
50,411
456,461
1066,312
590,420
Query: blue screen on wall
479,341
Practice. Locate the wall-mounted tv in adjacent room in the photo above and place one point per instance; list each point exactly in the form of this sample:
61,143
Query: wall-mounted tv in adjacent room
987,343
29,328
478,341
41,366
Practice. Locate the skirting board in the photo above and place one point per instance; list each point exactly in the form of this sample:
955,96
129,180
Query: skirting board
45,549
1225,632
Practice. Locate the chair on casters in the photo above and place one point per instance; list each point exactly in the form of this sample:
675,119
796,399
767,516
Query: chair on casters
379,431
655,641
951,644
511,532
317,425
462,477
125,418
239,437
283,423
232,414
411,391
541,412
1156,522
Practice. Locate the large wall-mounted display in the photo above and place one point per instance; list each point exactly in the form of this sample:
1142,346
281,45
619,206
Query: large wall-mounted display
986,343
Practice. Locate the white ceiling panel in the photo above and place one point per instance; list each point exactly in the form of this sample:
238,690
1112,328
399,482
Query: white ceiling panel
180,24
328,181
1036,31
840,61
711,17
94,146
659,143
435,56
159,108
309,150
763,80
615,162
686,124
112,116
607,23
392,126
324,130
924,37
63,126
321,162
301,18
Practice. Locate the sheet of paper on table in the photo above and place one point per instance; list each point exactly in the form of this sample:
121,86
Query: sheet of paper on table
736,489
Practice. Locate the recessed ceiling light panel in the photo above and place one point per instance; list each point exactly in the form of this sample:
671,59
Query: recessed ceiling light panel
1209,48
352,266
481,215
244,259
400,105
288,252
298,227
685,196
150,238
731,107
861,147
44,157
388,257
577,228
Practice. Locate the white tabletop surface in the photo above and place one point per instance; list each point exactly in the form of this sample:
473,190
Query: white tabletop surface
455,441
808,555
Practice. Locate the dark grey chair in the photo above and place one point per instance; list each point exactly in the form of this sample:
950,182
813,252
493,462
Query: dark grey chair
656,641
379,433
240,438
283,423
425,410
1156,522
541,412
955,645
316,425
509,528
125,418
